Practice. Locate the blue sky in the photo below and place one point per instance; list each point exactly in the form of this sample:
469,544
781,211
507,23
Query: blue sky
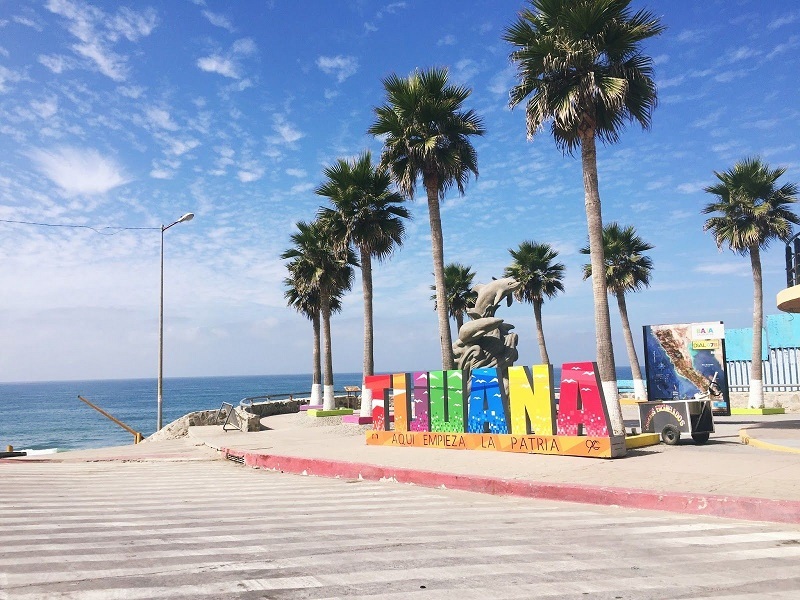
131,116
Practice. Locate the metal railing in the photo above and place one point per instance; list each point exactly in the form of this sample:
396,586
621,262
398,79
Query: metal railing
137,437
272,397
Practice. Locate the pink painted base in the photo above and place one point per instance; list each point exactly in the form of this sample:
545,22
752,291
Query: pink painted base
356,420
305,407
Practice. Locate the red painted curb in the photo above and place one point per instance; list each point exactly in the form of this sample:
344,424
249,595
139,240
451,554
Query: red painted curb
731,507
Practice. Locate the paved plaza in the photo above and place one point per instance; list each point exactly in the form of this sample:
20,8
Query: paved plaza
184,524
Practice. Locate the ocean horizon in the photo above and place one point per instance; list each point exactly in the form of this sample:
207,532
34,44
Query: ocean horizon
47,416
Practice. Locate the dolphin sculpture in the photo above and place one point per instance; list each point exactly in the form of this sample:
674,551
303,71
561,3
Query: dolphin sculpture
490,295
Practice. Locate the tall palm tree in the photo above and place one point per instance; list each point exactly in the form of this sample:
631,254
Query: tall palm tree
306,301
366,213
749,212
627,270
426,134
540,277
460,295
321,268
580,66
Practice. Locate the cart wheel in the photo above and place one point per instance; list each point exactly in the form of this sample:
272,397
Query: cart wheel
670,435
700,438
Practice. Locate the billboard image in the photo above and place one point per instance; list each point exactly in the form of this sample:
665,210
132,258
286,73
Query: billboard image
687,360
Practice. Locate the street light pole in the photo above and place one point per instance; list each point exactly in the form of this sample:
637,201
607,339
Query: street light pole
183,219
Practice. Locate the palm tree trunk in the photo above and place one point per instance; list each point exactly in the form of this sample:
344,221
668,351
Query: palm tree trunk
602,319
316,386
459,321
537,315
328,402
437,247
636,371
369,353
756,399
366,283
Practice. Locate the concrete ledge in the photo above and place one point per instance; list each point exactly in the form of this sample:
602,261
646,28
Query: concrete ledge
630,401
745,438
758,411
356,419
731,507
641,440
336,412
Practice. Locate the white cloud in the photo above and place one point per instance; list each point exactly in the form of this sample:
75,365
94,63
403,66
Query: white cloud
131,91
98,31
727,76
786,19
300,173
219,65
228,65
708,120
691,35
7,75
692,187
286,131
179,147
390,9
448,40
218,20
741,53
792,43
465,69
161,118
340,66
79,170
670,81
250,174
161,173
725,268
46,108
501,83
301,188
28,23
244,47
108,63
132,25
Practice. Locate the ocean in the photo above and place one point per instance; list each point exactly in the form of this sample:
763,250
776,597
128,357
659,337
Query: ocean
47,416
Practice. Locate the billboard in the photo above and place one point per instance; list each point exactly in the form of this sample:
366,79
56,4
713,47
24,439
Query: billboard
687,360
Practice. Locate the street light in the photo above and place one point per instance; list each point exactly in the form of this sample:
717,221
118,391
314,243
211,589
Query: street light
183,219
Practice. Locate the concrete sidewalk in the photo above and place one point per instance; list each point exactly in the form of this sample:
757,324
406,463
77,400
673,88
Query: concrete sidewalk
724,477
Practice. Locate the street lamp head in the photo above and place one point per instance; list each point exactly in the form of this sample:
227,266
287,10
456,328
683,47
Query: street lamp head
186,217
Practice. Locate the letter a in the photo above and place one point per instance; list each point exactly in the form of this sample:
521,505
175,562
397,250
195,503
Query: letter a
582,406
487,412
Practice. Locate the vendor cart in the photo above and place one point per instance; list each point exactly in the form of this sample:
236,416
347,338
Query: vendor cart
670,418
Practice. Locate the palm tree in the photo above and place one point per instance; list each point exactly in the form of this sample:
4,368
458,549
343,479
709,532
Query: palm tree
306,302
317,266
580,66
750,211
460,295
369,215
533,267
627,270
427,134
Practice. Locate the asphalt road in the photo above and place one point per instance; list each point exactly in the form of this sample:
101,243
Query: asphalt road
173,528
